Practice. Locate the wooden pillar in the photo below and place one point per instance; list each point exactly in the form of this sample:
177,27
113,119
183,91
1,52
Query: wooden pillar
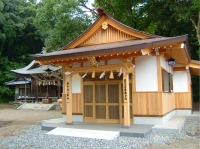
133,88
159,72
36,91
64,96
58,89
126,97
69,99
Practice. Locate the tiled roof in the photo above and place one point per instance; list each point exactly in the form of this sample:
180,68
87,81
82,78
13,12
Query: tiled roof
110,47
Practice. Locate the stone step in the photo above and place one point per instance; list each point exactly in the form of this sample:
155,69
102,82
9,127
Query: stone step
174,125
34,106
85,133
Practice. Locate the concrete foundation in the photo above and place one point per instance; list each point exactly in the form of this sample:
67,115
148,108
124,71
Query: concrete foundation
75,118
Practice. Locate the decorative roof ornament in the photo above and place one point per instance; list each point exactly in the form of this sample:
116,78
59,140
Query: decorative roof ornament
100,11
104,25
93,62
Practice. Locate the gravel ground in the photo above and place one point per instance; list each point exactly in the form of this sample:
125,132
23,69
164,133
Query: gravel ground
34,137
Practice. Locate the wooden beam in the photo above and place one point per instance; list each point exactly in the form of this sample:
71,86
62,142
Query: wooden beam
179,68
146,51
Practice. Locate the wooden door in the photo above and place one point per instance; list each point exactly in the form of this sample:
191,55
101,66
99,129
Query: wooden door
101,102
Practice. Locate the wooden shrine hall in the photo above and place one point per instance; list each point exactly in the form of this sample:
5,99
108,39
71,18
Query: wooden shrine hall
115,74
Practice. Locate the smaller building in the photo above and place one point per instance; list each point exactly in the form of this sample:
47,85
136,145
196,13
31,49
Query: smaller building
20,84
34,83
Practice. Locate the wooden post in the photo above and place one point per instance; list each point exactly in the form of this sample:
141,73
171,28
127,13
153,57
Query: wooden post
126,97
159,72
36,91
58,89
64,96
69,99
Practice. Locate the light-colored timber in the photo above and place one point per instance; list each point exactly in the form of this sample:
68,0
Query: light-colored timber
168,101
126,97
69,99
183,100
147,103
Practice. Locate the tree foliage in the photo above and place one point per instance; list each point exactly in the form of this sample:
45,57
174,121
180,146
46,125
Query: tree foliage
62,21
19,37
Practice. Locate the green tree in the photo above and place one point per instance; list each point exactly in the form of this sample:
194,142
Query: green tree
7,93
19,37
62,21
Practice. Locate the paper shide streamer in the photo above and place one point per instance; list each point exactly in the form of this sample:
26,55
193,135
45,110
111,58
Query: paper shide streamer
102,75
84,75
120,73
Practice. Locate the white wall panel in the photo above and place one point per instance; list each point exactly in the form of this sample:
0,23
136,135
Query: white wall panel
101,63
76,84
180,81
76,65
86,64
146,73
114,61
163,62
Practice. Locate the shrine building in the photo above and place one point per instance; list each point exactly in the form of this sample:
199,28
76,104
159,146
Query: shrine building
116,74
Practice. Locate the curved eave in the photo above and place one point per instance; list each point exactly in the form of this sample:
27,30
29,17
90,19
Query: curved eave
194,67
110,47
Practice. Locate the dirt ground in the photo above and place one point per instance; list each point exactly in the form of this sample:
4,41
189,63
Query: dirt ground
12,121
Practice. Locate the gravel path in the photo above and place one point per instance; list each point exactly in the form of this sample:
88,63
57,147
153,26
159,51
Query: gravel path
34,137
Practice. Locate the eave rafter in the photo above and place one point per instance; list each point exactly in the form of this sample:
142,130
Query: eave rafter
176,50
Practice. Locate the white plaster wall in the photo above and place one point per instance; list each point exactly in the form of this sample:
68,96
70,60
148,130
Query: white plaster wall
76,65
180,81
172,72
101,63
163,62
86,64
165,65
146,73
114,61
76,84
